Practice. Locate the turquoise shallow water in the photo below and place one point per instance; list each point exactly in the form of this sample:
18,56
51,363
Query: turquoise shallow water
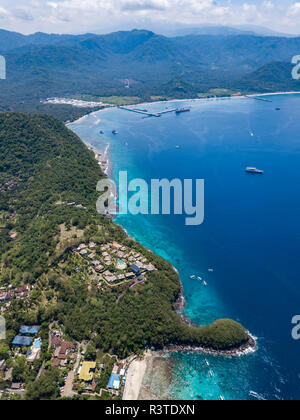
250,237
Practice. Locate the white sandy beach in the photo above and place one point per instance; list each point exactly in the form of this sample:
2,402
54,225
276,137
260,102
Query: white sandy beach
135,375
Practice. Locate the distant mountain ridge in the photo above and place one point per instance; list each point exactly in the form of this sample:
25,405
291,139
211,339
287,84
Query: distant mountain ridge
183,30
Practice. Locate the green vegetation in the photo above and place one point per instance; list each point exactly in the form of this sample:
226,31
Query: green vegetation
111,100
52,167
44,388
216,93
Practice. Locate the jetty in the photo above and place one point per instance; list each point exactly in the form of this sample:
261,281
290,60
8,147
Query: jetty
147,113
255,98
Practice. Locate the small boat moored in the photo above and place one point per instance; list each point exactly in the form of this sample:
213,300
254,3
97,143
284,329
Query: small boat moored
182,110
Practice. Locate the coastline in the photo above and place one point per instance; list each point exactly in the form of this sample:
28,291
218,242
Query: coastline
138,368
221,98
247,348
102,158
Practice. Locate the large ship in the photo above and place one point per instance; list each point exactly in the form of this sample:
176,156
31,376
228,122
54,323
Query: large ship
181,110
254,171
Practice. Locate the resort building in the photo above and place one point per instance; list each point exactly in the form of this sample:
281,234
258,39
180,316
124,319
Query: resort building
114,382
87,371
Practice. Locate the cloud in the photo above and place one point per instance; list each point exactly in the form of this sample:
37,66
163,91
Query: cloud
3,13
80,16
294,10
141,5
23,14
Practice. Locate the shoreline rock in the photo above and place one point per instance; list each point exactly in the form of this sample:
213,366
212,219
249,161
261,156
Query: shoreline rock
243,350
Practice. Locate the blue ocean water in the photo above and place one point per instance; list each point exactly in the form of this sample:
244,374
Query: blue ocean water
250,236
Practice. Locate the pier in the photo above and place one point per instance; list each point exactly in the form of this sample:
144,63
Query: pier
148,114
255,98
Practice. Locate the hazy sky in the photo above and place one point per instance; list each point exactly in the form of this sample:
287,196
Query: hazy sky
78,16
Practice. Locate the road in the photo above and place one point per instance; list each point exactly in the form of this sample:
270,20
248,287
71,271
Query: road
68,390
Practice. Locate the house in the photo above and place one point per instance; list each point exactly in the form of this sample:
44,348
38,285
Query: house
114,382
16,387
64,350
56,342
87,371
120,367
135,269
6,297
92,245
110,279
83,252
96,263
150,268
22,289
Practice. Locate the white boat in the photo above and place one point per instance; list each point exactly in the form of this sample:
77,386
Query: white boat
204,283
250,170
192,277
207,363
210,270
200,278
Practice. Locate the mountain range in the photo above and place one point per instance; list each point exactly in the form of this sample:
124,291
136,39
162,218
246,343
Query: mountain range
45,65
